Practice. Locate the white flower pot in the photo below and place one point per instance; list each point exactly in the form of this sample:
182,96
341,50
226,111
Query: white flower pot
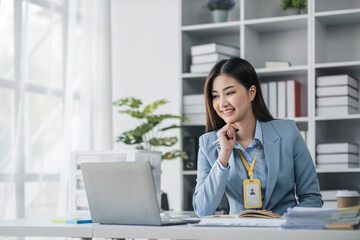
292,11
220,15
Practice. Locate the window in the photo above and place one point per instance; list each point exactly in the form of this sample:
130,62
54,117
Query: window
45,108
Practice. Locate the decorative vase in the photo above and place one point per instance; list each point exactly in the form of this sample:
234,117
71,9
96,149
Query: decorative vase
292,11
220,15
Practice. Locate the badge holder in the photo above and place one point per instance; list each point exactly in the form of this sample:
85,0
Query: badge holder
252,193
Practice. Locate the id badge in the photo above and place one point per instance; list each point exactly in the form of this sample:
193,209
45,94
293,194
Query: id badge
252,193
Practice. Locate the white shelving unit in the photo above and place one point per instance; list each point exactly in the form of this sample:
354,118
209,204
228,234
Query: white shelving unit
324,40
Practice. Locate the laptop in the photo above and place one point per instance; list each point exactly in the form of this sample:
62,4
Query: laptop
124,193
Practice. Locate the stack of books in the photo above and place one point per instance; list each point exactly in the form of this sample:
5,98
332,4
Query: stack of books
337,95
282,98
320,218
337,155
205,56
194,109
277,64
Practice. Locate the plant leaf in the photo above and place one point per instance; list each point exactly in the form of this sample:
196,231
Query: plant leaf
129,138
170,127
143,128
174,154
128,101
153,106
135,114
159,118
168,141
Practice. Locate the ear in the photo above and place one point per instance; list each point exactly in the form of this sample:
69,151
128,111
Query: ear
252,92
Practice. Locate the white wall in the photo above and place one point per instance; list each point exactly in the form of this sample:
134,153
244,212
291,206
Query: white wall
146,64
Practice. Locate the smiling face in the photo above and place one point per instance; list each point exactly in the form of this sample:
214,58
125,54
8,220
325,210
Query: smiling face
231,100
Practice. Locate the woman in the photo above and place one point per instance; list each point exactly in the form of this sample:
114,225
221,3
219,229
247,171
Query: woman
258,162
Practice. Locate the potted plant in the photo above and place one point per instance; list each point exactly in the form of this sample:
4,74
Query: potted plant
220,9
293,6
148,135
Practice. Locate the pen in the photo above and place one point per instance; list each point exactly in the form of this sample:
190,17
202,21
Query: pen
217,140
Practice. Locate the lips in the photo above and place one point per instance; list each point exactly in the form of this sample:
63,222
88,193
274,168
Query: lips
228,112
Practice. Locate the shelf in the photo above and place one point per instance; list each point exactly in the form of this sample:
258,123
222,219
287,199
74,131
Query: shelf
339,17
347,117
212,29
345,170
270,72
211,26
300,119
278,23
194,75
189,172
346,65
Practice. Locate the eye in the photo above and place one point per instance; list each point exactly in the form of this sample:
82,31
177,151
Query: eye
229,93
214,96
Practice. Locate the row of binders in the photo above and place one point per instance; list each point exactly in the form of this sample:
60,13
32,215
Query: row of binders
337,155
282,98
205,56
337,95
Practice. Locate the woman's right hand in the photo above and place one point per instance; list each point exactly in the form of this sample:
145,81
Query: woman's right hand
227,139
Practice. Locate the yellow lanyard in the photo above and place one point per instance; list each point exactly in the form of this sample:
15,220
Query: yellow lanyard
249,169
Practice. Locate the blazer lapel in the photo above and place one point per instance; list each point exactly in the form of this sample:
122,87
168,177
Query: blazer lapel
272,154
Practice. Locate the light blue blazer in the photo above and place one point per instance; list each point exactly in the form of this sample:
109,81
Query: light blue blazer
290,171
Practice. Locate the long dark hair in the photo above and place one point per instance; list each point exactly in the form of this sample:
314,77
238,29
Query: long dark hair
245,74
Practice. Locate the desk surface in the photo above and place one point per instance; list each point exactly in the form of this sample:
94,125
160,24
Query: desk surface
43,227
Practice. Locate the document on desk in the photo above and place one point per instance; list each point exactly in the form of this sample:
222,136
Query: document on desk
240,222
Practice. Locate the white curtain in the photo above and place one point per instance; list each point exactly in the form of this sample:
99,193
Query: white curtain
55,98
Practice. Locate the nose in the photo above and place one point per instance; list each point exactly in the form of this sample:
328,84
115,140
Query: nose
223,101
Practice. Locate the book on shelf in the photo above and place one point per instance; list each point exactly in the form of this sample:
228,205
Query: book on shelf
190,109
337,101
277,64
334,166
336,80
201,68
273,104
208,58
344,147
281,99
265,92
194,99
343,90
337,158
335,111
293,98
215,48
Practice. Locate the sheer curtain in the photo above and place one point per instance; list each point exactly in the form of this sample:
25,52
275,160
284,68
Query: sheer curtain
55,98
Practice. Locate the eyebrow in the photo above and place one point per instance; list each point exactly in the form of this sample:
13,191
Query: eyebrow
224,89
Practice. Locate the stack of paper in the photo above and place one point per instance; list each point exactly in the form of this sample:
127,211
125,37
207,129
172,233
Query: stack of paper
194,109
205,56
337,95
320,218
337,155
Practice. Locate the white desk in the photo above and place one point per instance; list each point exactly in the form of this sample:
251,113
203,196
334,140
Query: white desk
224,233
43,227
